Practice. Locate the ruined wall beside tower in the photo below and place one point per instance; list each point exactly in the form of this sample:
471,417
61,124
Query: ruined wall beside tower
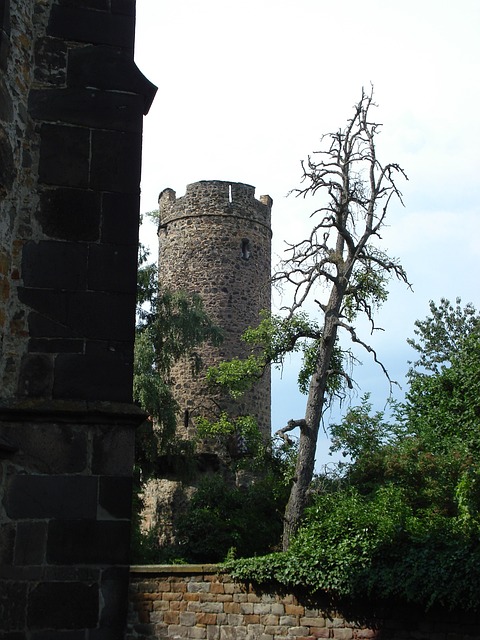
216,241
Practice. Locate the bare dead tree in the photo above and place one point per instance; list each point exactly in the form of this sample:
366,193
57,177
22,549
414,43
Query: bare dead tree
355,191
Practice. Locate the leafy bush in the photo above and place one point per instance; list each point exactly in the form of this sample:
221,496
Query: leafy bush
403,522
357,547
223,519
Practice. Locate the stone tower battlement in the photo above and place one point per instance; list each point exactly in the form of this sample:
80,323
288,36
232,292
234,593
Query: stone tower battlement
216,241
216,197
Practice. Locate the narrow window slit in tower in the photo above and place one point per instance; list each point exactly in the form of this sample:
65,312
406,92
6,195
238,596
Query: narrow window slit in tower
230,193
186,418
246,249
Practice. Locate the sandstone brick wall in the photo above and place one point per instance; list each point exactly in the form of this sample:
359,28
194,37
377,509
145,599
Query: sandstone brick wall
216,241
193,601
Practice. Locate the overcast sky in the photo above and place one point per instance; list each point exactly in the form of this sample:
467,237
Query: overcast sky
246,89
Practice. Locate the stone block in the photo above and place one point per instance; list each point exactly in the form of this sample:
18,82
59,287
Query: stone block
278,609
177,631
198,587
4,42
70,214
7,542
172,617
41,326
50,61
115,496
100,5
49,448
54,573
55,345
13,605
83,25
63,605
366,634
64,156
147,630
112,267
343,634
320,632
39,497
58,635
246,608
50,264
294,610
113,451
7,165
88,542
206,618
88,108
271,620
30,544
116,161
104,634
50,304
5,17
312,621
213,632
120,218
19,573
127,7
107,68
114,590
102,315
210,607
262,609
36,376
298,632
232,607
93,377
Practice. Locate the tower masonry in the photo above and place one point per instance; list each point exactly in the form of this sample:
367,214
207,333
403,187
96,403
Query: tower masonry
216,241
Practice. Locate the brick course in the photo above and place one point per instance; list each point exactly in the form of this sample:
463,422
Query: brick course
265,616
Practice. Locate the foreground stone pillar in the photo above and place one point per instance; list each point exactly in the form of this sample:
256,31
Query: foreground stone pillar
71,109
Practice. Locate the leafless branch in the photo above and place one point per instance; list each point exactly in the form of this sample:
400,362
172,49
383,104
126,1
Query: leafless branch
369,349
291,425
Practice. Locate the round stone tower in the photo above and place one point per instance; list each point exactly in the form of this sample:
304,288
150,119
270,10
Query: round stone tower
216,241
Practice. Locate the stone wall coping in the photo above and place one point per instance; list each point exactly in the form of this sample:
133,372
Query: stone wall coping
163,569
97,412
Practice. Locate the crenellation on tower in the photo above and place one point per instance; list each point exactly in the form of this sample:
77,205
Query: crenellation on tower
216,197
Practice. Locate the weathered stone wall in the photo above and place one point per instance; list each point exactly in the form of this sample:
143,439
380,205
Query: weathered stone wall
73,103
194,601
216,241
71,109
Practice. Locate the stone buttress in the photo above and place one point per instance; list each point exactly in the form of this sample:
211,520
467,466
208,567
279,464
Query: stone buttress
71,108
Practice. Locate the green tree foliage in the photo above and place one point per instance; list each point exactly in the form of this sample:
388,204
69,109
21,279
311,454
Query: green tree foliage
270,342
224,519
404,522
170,325
441,334
338,267
221,517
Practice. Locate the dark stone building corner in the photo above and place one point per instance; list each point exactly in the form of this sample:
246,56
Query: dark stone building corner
71,109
